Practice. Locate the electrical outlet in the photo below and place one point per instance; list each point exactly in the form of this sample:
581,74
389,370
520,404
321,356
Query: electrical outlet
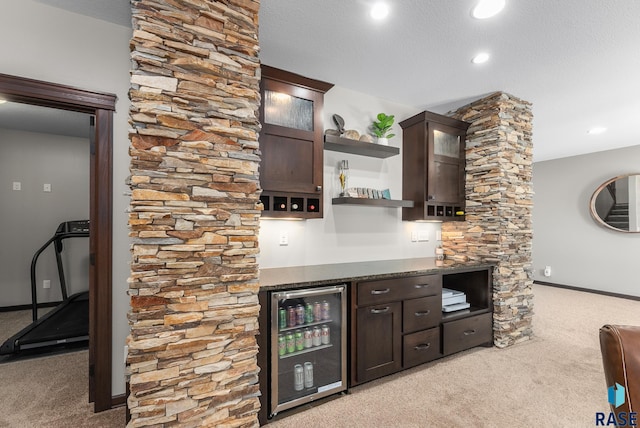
438,235
46,283
284,238
17,185
414,236
547,271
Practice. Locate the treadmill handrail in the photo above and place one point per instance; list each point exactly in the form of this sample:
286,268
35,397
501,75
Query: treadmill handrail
34,294
58,237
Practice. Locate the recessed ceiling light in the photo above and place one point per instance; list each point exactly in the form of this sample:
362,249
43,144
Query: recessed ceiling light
379,11
596,130
487,8
480,58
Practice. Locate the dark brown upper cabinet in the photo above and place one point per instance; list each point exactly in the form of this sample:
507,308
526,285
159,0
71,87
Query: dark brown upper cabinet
433,163
291,142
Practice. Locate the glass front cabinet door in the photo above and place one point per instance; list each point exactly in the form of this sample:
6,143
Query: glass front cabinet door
433,164
308,345
291,144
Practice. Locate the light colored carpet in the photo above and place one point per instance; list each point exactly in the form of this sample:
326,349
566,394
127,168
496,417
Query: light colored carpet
555,380
50,391
13,322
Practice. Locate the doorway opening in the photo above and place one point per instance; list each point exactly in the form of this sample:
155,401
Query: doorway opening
101,106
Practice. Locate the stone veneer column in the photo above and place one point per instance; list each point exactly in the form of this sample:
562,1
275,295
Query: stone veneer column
498,213
193,216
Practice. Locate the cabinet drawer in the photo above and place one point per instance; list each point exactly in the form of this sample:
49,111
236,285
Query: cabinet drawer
396,289
467,333
422,313
421,347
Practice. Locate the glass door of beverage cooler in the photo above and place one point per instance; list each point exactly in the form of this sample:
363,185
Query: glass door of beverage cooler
308,343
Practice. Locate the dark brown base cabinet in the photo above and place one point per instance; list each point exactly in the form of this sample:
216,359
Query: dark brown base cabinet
398,323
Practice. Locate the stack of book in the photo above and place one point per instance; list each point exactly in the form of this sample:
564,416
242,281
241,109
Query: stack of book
453,300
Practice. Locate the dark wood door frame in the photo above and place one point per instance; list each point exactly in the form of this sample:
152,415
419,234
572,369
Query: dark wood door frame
102,106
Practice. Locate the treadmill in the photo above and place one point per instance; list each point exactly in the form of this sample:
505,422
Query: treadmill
67,323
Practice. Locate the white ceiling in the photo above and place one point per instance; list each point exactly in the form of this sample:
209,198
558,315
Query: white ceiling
576,61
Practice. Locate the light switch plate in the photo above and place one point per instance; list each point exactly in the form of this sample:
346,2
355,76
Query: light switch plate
284,238
423,236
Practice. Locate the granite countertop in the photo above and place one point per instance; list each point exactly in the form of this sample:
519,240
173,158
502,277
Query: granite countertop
296,276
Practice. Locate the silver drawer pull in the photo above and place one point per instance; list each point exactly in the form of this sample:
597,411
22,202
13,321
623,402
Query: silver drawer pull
422,347
385,291
420,285
380,311
470,332
422,314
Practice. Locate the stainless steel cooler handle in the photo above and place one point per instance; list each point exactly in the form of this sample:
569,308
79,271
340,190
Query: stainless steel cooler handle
293,294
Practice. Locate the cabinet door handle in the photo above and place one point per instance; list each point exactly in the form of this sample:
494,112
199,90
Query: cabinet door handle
470,332
421,286
431,197
380,311
422,313
318,188
422,347
385,291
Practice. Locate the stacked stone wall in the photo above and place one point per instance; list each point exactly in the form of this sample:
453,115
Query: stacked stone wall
499,200
194,215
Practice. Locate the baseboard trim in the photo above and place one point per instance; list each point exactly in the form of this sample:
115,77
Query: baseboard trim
27,307
118,400
588,290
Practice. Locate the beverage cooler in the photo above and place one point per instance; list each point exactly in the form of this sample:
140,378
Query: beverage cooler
308,345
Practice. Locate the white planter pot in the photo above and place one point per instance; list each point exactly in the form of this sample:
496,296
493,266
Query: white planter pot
383,141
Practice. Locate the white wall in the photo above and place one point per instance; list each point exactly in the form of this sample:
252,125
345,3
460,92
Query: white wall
50,44
582,253
351,233
29,217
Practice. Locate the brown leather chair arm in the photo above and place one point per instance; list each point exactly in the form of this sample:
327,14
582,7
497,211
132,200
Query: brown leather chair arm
620,347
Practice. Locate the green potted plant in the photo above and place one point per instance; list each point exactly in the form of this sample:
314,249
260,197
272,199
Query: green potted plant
382,128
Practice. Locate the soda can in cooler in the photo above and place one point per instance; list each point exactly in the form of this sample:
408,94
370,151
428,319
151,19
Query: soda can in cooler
291,316
317,311
324,334
299,337
291,343
299,314
282,316
308,338
282,345
308,313
317,340
325,310
308,375
298,377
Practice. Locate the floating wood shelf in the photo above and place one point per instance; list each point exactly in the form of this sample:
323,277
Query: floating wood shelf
372,202
347,145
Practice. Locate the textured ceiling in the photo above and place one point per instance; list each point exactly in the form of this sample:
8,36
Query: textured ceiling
576,61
